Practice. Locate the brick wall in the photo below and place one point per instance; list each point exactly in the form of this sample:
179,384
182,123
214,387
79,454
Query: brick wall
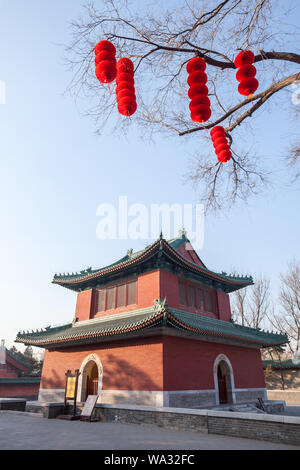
279,429
19,390
188,364
127,365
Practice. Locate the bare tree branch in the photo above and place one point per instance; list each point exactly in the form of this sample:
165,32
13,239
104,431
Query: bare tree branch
161,43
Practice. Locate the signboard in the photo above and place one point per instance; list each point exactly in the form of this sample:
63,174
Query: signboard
71,387
88,408
70,394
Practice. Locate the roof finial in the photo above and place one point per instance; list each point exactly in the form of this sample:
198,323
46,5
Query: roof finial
161,235
182,233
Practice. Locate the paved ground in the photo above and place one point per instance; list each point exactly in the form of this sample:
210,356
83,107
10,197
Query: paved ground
23,432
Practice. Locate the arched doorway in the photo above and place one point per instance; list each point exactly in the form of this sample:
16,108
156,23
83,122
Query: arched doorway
224,380
222,383
92,378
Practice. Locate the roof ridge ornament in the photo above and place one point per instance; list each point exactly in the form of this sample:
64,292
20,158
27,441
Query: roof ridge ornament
183,233
160,306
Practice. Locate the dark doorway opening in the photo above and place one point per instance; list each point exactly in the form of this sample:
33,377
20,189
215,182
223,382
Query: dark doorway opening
92,380
222,384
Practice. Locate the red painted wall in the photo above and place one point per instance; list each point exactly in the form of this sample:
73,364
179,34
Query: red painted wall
167,363
169,288
223,306
19,391
84,305
147,290
127,365
157,284
188,364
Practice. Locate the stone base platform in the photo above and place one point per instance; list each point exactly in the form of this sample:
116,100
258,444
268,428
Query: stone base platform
12,404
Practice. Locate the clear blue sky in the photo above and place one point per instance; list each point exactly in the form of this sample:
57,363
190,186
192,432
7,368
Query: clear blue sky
55,173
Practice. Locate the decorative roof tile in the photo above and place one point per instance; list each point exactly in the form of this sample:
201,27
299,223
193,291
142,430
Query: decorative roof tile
170,249
144,319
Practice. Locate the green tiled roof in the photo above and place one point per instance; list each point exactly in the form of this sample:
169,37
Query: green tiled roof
20,380
102,329
170,249
17,359
287,364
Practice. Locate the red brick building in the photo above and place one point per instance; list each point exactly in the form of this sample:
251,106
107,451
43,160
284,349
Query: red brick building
13,380
154,328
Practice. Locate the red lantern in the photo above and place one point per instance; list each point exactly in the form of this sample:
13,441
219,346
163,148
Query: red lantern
201,114
125,90
221,146
106,71
244,57
246,73
125,65
248,86
196,64
197,78
124,77
198,92
104,55
216,129
127,106
105,62
105,46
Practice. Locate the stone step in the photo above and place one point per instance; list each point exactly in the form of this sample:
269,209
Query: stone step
246,409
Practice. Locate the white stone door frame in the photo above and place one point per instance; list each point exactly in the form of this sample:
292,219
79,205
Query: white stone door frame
82,377
231,388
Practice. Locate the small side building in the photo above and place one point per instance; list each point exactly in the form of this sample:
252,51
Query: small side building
15,381
282,375
154,328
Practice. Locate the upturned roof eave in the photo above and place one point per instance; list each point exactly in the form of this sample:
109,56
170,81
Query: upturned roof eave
146,320
146,255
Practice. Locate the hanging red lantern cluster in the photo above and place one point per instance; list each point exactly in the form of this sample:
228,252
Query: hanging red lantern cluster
246,73
126,98
198,92
220,143
105,62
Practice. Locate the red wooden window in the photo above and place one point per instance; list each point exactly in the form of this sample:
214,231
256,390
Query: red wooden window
121,295
131,293
199,298
113,297
101,300
208,301
191,296
182,295
110,301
